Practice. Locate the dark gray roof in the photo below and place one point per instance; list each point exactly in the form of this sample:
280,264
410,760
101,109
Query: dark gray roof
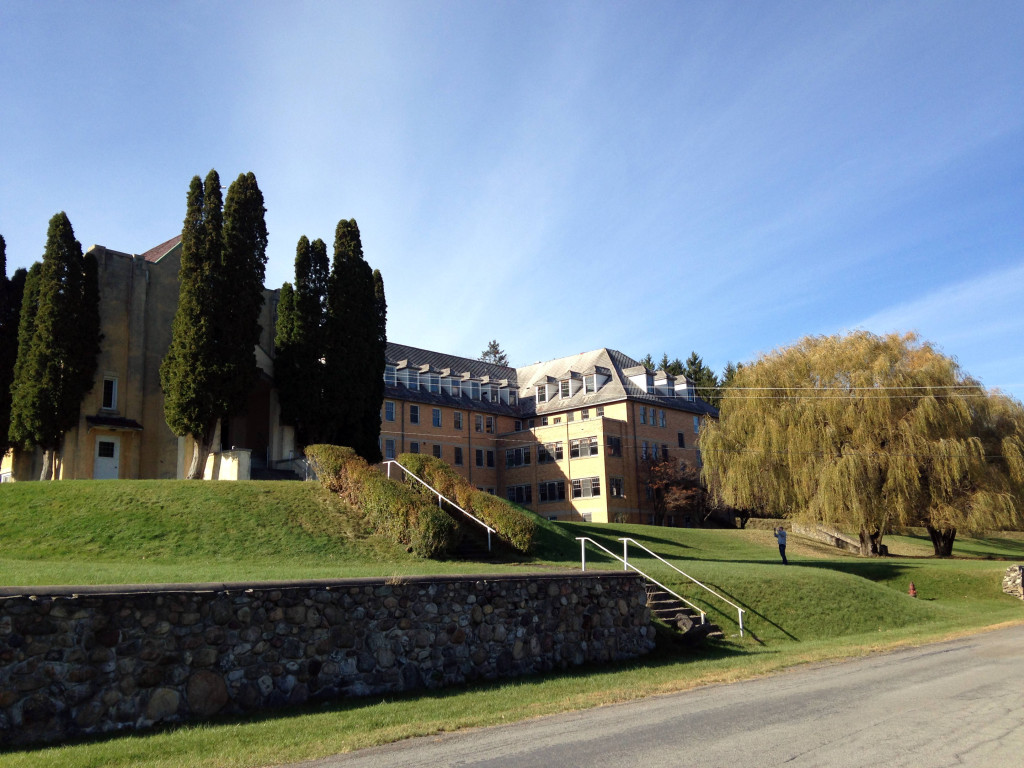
478,369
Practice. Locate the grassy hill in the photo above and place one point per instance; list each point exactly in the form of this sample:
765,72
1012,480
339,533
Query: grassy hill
825,605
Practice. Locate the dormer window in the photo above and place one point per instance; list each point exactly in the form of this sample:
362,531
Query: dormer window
434,383
564,389
590,384
456,388
542,393
414,380
474,390
389,376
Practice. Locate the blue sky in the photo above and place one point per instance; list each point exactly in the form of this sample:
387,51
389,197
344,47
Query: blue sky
651,177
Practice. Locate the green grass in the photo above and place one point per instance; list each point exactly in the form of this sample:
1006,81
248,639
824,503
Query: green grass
825,605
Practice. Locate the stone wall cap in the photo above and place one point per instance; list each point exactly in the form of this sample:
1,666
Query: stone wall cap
46,591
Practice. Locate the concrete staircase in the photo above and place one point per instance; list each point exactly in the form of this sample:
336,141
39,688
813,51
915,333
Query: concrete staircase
679,616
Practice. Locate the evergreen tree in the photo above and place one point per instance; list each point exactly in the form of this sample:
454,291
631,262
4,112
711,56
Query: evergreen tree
11,292
869,433
189,372
353,349
703,377
58,342
494,354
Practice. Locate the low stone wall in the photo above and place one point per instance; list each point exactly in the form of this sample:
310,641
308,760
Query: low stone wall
1013,581
88,660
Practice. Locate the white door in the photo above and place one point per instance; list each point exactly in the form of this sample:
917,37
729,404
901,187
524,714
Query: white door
107,458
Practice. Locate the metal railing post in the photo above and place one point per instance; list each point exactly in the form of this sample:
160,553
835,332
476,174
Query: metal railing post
625,555
583,555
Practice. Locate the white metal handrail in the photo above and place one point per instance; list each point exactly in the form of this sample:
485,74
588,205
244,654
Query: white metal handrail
625,559
627,565
441,497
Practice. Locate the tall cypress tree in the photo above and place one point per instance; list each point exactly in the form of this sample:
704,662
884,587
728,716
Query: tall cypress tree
11,292
58,341
353,351
189,371
240,277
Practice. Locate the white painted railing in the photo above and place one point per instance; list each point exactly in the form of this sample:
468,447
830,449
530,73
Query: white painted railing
441,497
625,563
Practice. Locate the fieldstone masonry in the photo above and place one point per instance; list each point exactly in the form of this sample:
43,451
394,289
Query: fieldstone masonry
1012,581
87,660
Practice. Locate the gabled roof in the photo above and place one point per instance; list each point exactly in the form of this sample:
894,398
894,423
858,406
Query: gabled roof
154,255
438,361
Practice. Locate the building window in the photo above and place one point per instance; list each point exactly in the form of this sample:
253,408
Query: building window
643,414
490,425
490,458
696,425
549,452
583,447
700,461
569,416
531,424
564,389
414,447
456,388
110,393
474,390
556,420
389,411
586,487
434,383
389,448
513,398
479,457
661,417
614,445
543,421
553,490
520,494
458,456
414,414
457,419
585,414
436,417
478,423
389,375
643,451
600,411
682,439
414,380
616,489
589,384
517,426
664,452
542,393
517,457
437,451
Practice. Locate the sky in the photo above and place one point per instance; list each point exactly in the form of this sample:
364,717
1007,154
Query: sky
653,177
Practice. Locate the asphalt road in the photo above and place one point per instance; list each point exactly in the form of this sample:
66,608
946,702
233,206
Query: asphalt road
959,703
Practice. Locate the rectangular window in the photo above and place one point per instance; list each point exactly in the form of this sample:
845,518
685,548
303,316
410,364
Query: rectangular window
700,461
543,421
664,452
696,425
458,456
490,425
614,445
585,414
553,490
520,494
389,411
490,458
105,449
414,414
517,457
616,487
389,448
478,423
643,451
457,419
110,393
414,380
437,451
414,447
389,376
661,417
600,410
474,390
643,414
569,416
563,389
456,388
586,487
479,457
436,417
556,420
583,447
549,452
531,424
542,393
589,384
517,425
434,383
682,439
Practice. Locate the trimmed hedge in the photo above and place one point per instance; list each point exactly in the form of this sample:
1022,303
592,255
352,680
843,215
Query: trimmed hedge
512,523
392,509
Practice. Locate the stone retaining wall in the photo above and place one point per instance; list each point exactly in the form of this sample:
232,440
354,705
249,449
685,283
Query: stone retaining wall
88,660
1013,581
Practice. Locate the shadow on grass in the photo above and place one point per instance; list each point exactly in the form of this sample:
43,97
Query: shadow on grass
749,612
665,654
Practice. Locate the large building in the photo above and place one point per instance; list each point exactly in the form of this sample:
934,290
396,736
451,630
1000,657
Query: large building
567,438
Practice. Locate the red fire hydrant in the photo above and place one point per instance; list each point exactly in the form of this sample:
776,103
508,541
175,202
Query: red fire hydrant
912,591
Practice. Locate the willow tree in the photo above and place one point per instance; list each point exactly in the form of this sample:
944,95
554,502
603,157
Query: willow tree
870,433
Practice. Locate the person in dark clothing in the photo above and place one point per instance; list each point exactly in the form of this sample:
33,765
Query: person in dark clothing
780,536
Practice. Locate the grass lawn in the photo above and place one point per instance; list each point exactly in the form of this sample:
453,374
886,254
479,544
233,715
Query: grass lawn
824,605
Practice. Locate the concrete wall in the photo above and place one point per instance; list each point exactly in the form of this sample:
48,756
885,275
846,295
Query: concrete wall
76,661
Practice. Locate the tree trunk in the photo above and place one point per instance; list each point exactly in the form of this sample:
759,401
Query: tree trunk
942,540
870,542
202,445
47,471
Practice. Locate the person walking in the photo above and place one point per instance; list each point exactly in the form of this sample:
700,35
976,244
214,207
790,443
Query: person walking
780,536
